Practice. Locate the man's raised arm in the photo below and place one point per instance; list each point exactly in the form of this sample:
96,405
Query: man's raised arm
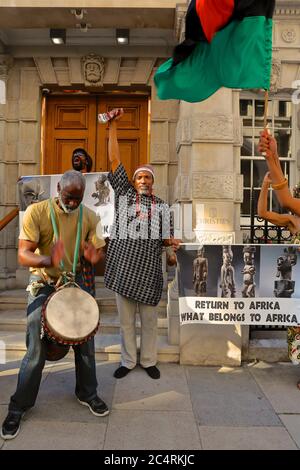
113,146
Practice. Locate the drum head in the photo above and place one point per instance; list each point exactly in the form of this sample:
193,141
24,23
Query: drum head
72,314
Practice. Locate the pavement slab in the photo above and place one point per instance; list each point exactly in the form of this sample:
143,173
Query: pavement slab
58,435
56,399
189,407
67,410
278,382
248,438
137,391
292,424
228,397
3,413
9,377
132,429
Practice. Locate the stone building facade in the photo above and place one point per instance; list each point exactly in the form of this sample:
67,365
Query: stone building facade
195,148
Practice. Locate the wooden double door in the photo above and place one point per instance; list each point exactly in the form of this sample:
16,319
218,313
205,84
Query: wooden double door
72,121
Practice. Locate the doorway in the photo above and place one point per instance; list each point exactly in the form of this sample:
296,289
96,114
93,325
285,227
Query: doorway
71,122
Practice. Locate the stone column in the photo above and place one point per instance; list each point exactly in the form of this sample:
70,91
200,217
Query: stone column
19,153
209,136
29,141
163,156
8,174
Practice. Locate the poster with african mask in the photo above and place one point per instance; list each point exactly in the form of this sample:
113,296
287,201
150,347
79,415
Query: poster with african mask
98,195
244,284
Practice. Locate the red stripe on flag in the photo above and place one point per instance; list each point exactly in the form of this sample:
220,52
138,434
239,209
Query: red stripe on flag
213,14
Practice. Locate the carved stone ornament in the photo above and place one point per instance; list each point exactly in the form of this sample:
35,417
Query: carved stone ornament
215,238
208,186
288,35
208,127
275,75
93,70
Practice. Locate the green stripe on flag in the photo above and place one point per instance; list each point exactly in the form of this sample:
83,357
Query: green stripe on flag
239,56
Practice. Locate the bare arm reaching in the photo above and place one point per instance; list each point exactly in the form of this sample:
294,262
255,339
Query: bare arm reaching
282,220
268,146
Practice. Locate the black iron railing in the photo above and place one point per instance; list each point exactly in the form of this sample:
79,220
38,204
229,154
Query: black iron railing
260,230
265,233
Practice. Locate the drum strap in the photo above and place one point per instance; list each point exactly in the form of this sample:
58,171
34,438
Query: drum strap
78,235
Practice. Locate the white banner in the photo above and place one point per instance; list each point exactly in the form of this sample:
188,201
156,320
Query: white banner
244,284
213,310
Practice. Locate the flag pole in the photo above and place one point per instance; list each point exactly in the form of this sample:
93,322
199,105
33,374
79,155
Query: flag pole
266,108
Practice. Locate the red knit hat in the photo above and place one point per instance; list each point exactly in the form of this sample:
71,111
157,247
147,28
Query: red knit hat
148,168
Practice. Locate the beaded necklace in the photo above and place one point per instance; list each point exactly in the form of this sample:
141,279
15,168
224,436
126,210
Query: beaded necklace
139,213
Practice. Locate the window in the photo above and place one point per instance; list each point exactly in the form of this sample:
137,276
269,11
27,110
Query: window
253,165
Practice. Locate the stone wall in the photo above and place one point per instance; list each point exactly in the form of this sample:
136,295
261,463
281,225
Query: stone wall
19,149
163,155
208,140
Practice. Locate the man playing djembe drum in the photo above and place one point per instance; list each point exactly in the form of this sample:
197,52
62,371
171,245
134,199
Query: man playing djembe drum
47,260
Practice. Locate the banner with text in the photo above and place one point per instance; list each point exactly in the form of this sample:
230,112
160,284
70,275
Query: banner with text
245,284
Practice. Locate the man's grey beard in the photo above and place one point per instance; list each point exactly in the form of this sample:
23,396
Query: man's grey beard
144,191
66,209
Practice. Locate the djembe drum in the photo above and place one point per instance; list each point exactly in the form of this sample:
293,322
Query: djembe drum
70,316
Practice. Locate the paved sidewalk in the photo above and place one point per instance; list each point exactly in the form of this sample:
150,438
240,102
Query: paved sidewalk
256,406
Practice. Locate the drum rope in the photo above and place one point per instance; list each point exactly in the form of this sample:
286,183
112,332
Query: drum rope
77,243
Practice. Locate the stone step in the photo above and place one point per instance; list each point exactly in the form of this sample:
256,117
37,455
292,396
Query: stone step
17,300
15,320
268,350
107,347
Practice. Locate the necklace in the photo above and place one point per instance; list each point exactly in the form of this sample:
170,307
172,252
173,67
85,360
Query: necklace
143,215
78,235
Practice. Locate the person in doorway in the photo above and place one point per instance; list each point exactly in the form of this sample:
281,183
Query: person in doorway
134,267
81,161
38,251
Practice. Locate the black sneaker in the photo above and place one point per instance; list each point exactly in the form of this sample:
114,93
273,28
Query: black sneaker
121,372
96,406
11,425
153,372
